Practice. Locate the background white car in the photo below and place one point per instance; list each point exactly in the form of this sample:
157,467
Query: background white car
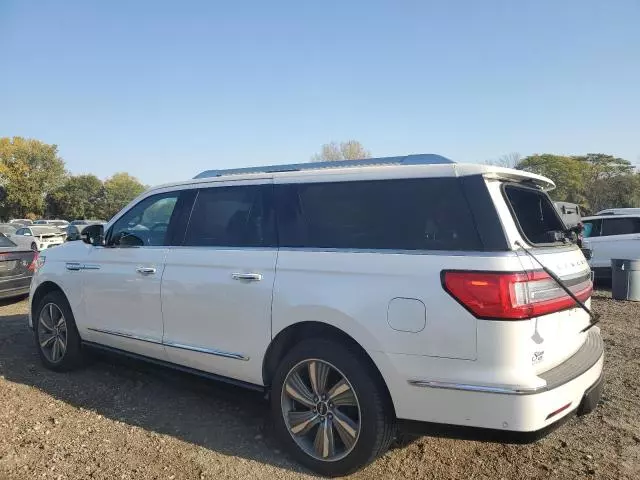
39,237
611,236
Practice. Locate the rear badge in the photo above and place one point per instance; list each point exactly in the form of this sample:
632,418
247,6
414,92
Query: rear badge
537,357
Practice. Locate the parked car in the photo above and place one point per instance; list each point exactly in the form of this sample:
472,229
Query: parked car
362,296
42,236
611,236
8,229
16,268
61,224
75,228
22,222
620,211
572,218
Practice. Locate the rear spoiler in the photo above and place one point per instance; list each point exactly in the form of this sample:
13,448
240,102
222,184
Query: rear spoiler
520,176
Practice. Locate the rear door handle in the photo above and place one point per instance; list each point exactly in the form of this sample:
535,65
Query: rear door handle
250,277
74,266
146,270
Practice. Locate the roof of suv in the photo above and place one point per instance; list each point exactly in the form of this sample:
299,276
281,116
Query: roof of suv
370,169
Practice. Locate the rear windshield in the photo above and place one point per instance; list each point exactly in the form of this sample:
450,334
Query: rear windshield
5,242
403,214
534,213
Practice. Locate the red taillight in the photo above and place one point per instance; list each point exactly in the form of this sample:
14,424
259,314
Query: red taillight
32,266
512,296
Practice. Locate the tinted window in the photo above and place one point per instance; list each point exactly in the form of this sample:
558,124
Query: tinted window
21,231
145,224
407,214
534,213
620,226
5,242
232,217
592,228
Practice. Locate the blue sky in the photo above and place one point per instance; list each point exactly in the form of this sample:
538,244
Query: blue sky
164,90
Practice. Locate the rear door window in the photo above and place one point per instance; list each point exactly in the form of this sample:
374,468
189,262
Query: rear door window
236,216
620,226
404,214
535,215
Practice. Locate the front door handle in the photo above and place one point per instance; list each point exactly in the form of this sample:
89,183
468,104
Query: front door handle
250,277
74,266
146,270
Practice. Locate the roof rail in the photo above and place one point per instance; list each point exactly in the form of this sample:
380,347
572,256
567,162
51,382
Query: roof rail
420,159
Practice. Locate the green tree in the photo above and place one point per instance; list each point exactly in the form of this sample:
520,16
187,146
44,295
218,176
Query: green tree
349,150
119,190
608,181
80,197
566,172
29,171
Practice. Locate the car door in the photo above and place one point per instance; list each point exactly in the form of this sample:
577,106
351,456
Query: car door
217,286
121,280
619,238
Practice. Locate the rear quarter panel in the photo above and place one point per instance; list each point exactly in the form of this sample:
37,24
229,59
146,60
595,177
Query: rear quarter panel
352,290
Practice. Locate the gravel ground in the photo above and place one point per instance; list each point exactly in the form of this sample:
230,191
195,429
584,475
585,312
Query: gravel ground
125,420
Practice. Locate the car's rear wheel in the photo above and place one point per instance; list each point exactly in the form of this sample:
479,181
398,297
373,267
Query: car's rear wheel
330,408
34,247
56,335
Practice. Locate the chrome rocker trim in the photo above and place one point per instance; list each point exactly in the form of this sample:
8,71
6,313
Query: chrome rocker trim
193,348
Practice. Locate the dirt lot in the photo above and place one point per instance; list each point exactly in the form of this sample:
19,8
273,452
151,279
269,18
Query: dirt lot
127,420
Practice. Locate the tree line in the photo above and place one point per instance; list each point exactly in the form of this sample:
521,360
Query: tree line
34,183
594,181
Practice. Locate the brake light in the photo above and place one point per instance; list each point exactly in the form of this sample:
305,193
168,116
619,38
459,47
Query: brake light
34,263
511,296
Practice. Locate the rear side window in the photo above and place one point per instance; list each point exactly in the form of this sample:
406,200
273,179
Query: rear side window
232,217
620,226
405,214
534,213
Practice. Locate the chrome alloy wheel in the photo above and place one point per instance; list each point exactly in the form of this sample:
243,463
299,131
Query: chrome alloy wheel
321,410
52,333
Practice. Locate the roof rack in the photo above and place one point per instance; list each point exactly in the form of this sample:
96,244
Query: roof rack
420,159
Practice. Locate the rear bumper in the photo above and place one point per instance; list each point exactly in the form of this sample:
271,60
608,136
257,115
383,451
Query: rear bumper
514,411
588,403
15,287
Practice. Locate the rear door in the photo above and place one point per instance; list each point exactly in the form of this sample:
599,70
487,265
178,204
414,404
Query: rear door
217,285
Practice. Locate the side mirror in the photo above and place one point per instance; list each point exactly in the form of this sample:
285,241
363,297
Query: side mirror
93,235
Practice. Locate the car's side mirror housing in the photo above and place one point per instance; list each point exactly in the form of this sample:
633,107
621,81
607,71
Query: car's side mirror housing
93,235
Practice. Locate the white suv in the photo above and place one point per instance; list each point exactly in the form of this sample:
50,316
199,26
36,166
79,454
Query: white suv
364,296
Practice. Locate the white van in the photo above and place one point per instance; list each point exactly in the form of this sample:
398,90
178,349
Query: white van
365,297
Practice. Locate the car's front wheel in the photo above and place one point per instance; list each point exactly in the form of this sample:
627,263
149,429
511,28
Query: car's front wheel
330,407
56,335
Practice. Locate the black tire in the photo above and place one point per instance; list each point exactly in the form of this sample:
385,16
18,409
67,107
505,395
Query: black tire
34,247
376,416
72,356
